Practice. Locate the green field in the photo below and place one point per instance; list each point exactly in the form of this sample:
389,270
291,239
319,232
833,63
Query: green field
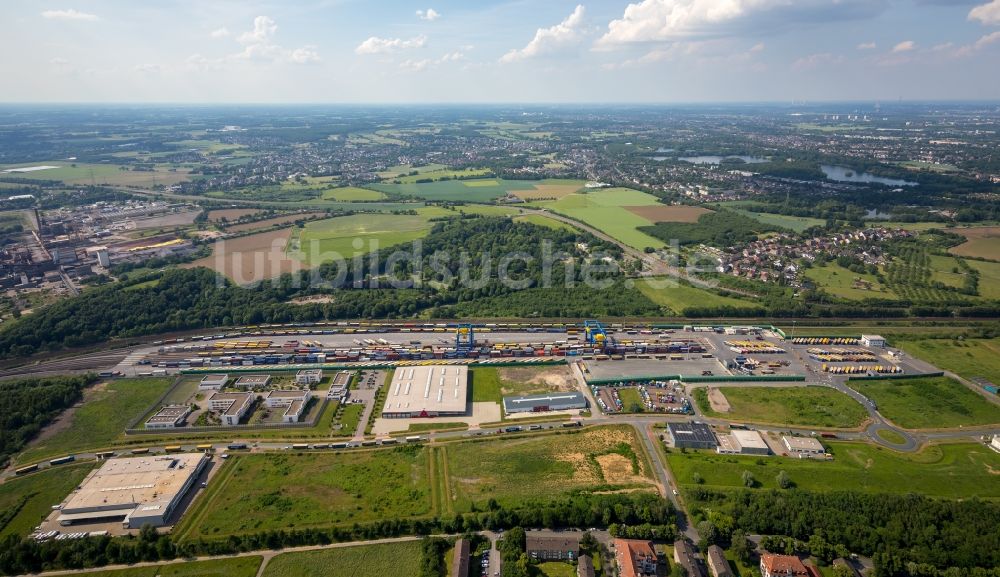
839,281
491,384
482,190
259,492
929,403
969,358
484,385
521,469
952,471
353,193
25,501
233,567
555,569
796,223
630,399
930,166
545,221
678,296
803,406
107,410
442,174
989,278
321,239
83,173
604,211
401,559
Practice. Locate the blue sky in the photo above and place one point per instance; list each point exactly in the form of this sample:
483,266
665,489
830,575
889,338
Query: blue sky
381,51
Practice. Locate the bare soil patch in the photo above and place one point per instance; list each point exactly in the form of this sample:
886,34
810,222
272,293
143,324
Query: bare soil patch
718,401
231,213
252,258
173,219
556,378
312,300
617,470
664,213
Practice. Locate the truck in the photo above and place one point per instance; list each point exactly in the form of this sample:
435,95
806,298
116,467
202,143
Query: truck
236,446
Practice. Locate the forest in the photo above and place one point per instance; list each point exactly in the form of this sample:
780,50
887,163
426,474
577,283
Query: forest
721,229
27,405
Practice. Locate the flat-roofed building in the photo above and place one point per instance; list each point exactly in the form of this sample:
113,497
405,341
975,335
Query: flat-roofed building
230,406
309,376
717,562
213,381
553,545
692,436
545,402
138,491
685,557
294,402
427,391
804,445
873,341
743,443
168,417
253,381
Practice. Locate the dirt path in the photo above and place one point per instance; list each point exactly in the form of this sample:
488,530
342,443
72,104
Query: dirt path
718,401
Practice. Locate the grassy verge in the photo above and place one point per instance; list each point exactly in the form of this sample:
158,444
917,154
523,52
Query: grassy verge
804,406
361,561
951,471
25,501
929,403
234,567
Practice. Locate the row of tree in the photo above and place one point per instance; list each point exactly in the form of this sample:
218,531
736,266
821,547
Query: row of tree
27,405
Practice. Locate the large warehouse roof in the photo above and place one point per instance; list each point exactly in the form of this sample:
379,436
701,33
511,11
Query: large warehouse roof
432,388
550,401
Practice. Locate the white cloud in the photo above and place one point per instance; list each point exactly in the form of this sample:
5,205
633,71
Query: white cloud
547,39
904,46
813,61
69,15
304,55
264,28
415,65
758,47
376,45
259,45
219,32
988,13
147,68
672,20
867,46
429,14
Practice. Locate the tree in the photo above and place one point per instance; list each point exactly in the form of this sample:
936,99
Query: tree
697,478
784,481
741,547
748,480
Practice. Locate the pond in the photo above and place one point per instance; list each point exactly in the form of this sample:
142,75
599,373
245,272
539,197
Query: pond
711,159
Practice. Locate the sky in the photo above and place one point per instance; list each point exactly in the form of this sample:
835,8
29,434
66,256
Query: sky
487,51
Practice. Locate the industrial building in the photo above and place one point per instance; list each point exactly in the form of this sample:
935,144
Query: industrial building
873,341
253,381
139,491
294,403
427,391
168,417
309,376
231,406
805,445
743,443
544,402
216,381
635,557
553,545
692,436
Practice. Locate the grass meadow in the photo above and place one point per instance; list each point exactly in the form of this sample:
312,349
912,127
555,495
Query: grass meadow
802,406
929,403
357,561
25,501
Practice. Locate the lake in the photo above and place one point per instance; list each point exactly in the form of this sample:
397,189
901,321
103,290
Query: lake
709,159
844,174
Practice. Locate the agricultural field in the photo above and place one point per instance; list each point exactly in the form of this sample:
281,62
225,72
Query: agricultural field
107,409
233,567
349,561
929,403
983,242
678,296
271,222
948,471
25,501
477,190
968,358
252,258
319,240
803,406
83,173
551,189
260,492
441,174
847,284
929,166
610,210
795,223
353,194
989,278
513,471
404,169
668,213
